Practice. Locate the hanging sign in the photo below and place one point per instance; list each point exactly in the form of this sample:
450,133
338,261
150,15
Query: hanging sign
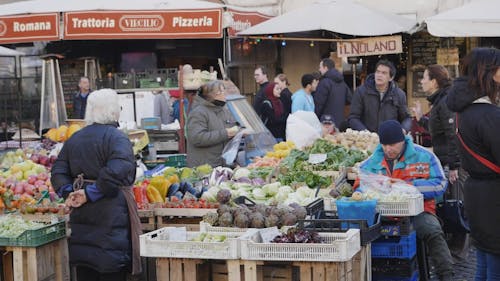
447,56
370,46
143,24
243,20
29,28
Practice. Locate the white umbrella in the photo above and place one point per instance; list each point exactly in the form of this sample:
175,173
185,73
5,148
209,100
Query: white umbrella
9,52
477,19
339,16
46,6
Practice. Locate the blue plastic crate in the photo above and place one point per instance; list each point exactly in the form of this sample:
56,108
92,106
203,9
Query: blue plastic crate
402,247
398,226
357,210
414,277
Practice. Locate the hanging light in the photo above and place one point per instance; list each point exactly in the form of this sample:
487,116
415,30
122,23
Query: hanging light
283,43
311,44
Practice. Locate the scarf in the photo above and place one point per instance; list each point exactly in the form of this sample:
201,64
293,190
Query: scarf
275,101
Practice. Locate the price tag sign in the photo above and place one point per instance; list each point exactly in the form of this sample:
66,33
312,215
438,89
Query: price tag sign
269,233
316,158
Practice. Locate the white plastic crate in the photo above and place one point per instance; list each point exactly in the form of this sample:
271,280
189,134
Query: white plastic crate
338,247
412,207
206,227
158,244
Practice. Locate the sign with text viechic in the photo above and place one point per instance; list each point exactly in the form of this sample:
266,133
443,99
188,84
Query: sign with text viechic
370,46
29,28
143,24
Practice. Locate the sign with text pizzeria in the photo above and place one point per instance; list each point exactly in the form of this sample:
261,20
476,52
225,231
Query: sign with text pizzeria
143,24
29,28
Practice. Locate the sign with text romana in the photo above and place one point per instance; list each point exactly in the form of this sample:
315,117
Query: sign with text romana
29,28
243,20
370,46
143,24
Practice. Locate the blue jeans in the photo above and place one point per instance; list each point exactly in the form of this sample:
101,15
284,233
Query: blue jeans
487,267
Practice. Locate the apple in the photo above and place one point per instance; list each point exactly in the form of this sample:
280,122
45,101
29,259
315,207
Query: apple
43,187
32,179
43,176
44,160
19,188
35,158
29,189
39,183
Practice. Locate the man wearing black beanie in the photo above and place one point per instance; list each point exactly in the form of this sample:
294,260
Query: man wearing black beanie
398,157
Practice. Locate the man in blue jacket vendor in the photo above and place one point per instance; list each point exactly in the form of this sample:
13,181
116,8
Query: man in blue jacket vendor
398,157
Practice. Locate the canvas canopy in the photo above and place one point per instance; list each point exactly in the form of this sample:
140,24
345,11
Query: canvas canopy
479,18
339,16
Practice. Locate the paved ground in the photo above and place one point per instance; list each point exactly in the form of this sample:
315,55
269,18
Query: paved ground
464,268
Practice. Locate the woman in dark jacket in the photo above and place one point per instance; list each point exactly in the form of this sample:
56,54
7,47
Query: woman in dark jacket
286,95
274,114
94,172
441,121
475,98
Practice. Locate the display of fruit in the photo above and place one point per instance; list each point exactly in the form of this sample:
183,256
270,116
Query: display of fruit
192,203
62,133
281,150
362,140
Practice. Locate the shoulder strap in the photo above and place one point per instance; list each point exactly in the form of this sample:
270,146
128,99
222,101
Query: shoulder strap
481,159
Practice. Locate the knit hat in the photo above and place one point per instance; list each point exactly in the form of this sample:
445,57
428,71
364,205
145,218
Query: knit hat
390,132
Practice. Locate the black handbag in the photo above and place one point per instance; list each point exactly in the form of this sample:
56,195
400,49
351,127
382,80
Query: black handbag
452,213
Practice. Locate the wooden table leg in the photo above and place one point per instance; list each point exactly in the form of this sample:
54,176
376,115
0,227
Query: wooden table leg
250,270
32,264
8,275
233,270
162,269
18,263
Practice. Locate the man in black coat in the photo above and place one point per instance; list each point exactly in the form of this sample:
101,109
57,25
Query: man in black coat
379,99
260,75
332,93
80,98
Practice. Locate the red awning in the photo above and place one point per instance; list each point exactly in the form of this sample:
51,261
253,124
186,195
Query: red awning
244,19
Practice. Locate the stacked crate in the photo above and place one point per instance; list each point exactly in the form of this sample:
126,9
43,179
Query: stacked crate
394,255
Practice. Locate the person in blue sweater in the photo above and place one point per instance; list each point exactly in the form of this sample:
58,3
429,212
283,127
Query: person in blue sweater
302,99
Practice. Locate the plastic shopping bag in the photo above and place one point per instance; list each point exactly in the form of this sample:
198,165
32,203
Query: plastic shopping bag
303,128
230,151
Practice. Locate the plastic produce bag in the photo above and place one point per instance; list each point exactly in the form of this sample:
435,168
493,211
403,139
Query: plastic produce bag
379,186
303,128
230,151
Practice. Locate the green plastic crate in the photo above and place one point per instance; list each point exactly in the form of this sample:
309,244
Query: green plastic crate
176,160
37,237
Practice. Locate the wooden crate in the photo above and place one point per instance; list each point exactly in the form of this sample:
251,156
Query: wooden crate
266,271
188,217
47,262
173,269
148,220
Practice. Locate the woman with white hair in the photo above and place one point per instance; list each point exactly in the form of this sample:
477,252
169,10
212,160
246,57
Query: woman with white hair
94,173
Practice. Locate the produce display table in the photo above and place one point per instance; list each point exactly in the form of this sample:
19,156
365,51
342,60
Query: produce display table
46,262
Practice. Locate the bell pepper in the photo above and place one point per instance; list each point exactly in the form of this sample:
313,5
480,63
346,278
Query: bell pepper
174,179
154,195
161,184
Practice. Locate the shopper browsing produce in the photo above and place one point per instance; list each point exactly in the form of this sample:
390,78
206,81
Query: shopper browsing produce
94,173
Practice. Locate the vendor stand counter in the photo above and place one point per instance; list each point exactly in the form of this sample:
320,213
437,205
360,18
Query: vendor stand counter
37,255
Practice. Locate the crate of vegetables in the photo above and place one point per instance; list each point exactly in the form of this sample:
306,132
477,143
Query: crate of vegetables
176,242
18,231
405,206
327,247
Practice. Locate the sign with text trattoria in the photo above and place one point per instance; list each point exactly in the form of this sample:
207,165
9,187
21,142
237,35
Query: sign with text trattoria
29,28
370,46
243,20
143,24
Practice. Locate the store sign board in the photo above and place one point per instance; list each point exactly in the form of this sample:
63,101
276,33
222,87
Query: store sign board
447,56
143,24
370,46
243,20
29,28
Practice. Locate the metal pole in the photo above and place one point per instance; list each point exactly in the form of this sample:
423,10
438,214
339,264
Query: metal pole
354,77
182,138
